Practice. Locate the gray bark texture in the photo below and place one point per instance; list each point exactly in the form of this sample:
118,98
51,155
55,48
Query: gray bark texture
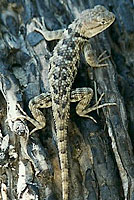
101,158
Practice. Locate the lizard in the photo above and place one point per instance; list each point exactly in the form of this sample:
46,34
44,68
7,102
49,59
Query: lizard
62,72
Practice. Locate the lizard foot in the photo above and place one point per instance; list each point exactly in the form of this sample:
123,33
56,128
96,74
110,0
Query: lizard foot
26,117
84,96
101,58
97,106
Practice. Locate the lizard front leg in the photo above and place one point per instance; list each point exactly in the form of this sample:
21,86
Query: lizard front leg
92,59
84,96
48,35
41,101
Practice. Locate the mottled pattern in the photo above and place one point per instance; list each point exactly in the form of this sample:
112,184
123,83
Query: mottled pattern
62,72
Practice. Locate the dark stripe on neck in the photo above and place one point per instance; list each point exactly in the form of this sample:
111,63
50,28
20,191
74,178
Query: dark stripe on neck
78,35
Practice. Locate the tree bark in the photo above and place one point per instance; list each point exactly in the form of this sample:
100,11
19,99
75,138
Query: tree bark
101,159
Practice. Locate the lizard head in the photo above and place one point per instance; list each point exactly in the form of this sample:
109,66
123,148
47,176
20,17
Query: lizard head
93,21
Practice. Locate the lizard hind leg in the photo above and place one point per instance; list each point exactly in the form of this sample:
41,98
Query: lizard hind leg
84,96
41,101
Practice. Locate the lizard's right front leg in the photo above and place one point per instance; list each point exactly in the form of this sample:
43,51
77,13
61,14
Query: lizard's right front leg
41,101
91,57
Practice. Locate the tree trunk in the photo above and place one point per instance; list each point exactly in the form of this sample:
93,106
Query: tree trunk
101,160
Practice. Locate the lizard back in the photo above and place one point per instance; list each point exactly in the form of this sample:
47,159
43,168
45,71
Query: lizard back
63,69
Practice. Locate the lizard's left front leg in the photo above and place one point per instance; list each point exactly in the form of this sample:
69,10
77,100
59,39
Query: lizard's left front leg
48,35
84,96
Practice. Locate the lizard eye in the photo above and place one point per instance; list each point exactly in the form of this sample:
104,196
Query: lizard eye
103,21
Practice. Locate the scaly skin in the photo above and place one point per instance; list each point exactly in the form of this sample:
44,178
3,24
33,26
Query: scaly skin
63,69
61,76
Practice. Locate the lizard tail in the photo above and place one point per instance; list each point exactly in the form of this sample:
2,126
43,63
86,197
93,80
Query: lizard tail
63,156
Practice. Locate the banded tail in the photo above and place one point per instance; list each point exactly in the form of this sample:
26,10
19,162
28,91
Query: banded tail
64,163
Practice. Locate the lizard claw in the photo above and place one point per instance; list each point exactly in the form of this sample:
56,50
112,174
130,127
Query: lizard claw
101,58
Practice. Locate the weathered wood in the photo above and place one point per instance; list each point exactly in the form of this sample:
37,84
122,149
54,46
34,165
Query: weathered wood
100,155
